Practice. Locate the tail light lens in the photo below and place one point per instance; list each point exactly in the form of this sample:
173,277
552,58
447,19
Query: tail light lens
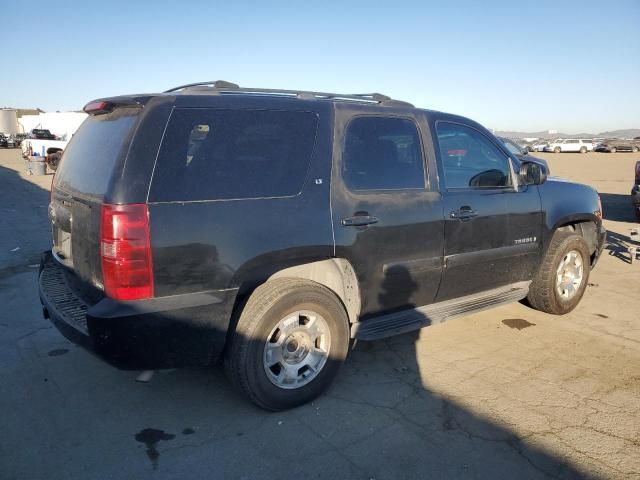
125,249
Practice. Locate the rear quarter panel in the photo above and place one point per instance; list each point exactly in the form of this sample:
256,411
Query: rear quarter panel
225,244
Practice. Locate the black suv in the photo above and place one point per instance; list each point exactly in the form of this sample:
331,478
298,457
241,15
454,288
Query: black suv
271,227
613,145
42,134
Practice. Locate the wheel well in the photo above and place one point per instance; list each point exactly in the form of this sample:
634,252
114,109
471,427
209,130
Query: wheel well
588,230
336,274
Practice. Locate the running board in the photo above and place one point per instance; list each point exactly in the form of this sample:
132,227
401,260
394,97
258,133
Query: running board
416,318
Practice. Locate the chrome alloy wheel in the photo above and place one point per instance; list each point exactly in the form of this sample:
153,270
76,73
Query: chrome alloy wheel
569,275
297,349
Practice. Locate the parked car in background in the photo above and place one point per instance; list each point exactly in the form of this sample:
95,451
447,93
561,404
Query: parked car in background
41,134
569,145
522,154
613,145
19,138
3,141
538,145
635,191
268,228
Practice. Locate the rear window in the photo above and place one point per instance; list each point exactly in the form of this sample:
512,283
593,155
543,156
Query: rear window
90,157
222,154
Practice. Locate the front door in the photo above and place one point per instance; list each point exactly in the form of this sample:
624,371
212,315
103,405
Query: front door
484,243
387,221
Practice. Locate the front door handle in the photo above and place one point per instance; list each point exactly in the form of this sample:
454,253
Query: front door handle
359,220
464,213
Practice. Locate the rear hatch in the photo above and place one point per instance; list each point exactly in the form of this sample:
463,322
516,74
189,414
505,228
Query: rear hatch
88,167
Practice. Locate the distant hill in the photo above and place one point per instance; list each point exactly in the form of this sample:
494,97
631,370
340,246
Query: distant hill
628,133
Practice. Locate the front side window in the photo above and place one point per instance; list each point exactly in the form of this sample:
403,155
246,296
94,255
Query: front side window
470,160
382,154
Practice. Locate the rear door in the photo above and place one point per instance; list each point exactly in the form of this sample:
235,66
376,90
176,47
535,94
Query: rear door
82,180
477,183
571,145
387,220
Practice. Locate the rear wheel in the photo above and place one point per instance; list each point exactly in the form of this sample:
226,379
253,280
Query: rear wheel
634,149
557,150
291,338
583,149
562,278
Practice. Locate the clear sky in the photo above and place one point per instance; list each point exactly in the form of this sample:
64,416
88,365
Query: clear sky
568,65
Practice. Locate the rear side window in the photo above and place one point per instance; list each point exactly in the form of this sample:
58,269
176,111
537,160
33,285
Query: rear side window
90,158
382,154
222,154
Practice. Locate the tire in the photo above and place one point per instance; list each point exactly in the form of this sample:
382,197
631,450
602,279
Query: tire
557,150
634,149
583,149
543,294
248,357
613,150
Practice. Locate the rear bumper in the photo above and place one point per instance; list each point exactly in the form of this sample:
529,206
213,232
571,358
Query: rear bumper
165,332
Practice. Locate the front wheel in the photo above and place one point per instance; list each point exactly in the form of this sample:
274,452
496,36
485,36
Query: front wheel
583,149
563,275
634,149
613,150
290,340
557,150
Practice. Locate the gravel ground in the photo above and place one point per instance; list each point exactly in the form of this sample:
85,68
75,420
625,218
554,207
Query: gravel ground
508,393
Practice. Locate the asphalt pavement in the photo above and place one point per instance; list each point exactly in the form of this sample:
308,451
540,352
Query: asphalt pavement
508,393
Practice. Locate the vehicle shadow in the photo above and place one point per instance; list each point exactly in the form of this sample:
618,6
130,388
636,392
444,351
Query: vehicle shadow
618,246
617,207
378,420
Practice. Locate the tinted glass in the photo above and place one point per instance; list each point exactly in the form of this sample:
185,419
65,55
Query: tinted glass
382,154
89,159
216,154
470,159
512,147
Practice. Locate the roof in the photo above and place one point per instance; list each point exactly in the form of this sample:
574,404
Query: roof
222,87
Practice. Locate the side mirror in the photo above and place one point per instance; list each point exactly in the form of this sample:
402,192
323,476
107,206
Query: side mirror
525,151
532,173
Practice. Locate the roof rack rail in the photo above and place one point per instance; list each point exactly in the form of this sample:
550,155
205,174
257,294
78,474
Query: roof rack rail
224,87
220,84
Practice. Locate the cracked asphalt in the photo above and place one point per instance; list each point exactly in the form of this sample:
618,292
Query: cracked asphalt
507,393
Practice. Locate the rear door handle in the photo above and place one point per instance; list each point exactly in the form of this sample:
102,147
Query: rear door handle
359,220
464,213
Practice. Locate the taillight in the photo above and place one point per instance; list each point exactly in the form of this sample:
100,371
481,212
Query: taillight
125,249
